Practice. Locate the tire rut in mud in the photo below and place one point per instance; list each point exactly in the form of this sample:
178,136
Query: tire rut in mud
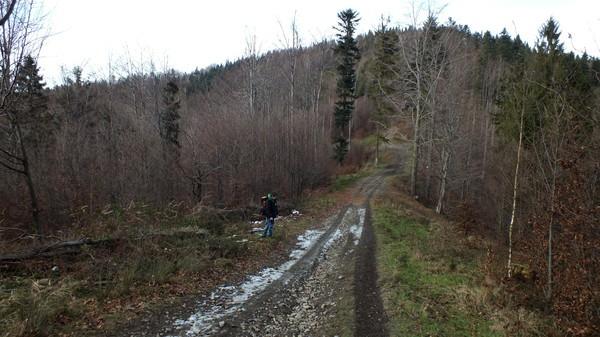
370,317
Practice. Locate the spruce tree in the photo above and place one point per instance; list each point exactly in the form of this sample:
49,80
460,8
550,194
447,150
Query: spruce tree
383,68
505,46
169,117
348,55
32,103
488,47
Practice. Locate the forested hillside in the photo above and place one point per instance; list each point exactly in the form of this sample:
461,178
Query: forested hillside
504,137
219,136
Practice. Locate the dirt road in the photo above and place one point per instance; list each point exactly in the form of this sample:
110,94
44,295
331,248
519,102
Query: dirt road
331,274
327,287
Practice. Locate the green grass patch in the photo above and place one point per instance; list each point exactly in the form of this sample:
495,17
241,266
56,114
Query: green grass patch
344,181
429,288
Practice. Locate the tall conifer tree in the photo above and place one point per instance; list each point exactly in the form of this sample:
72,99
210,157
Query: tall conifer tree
348,56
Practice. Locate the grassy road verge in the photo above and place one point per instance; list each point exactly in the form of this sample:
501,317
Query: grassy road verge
433,284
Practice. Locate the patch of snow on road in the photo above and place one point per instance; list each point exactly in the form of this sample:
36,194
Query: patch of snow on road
225,300
256,283
305,241
334,237
357,229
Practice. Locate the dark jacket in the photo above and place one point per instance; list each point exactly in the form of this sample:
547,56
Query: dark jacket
269,209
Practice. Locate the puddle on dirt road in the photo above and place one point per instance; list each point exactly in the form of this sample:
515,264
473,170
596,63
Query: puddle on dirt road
228,299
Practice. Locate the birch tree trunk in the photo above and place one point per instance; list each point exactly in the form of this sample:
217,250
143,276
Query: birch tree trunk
415,156
514,198
467,175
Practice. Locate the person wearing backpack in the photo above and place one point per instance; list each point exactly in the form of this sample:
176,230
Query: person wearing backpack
270,212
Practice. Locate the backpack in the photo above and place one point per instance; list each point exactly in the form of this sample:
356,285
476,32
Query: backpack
272,205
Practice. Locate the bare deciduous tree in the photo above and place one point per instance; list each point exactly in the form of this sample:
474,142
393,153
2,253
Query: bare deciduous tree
19,27
6,14
422,72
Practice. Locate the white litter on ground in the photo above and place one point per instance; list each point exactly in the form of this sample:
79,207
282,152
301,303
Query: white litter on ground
357,229
226,300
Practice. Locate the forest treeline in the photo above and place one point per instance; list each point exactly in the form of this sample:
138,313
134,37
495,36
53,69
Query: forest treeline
501,133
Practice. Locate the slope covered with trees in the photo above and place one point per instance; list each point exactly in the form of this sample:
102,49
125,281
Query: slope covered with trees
219,136
506,137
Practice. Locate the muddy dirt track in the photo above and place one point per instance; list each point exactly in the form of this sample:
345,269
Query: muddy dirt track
331,274
304,300
369,312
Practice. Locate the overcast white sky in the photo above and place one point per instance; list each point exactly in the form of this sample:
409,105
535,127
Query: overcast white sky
185,34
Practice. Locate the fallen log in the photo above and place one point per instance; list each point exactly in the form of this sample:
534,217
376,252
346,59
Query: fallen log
72,246
49,250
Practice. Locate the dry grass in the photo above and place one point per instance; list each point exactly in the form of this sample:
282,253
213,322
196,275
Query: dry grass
33,309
